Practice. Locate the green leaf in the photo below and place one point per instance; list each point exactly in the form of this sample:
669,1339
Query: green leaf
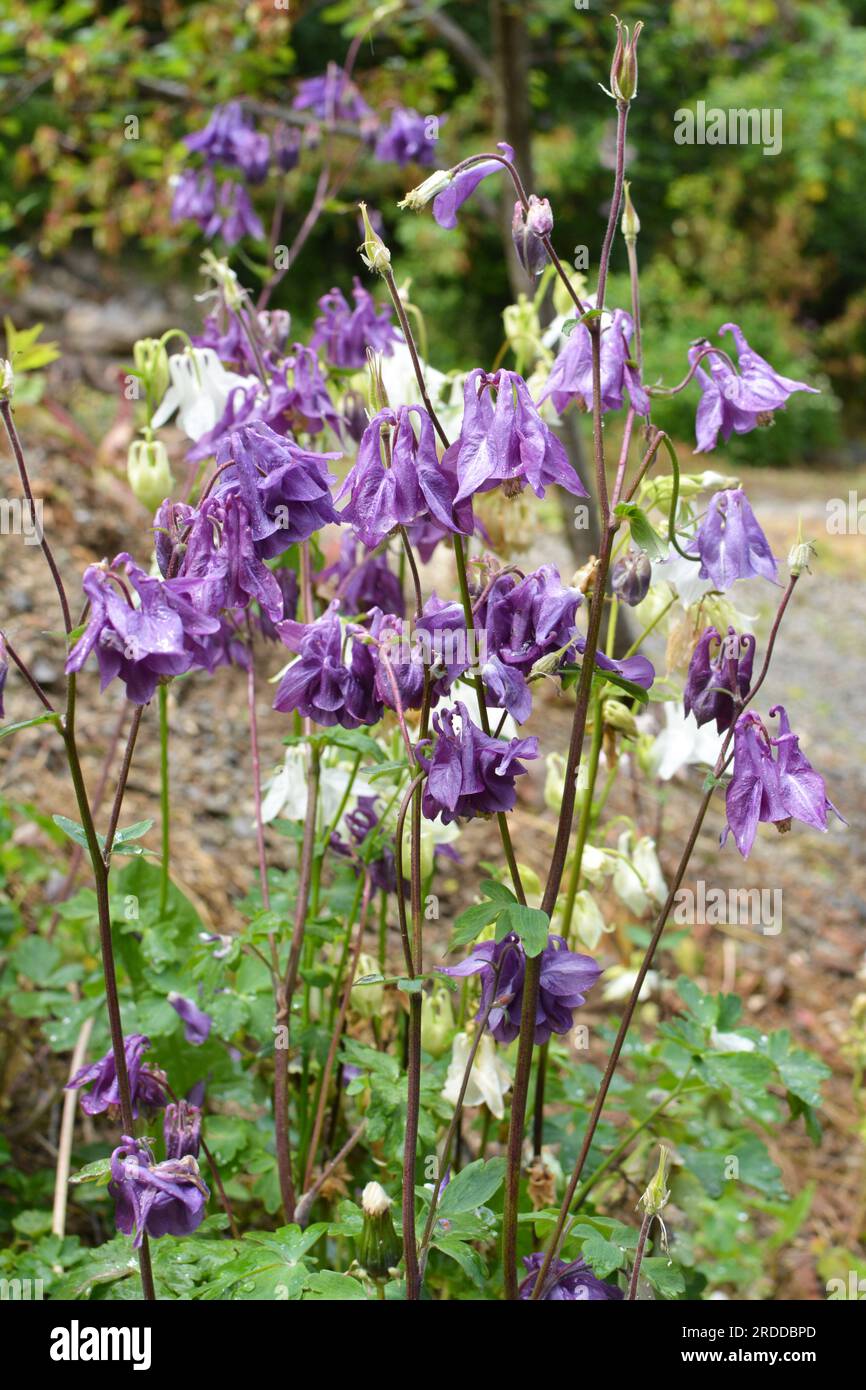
468,1259
327,1283
98,1172
472,1187
32,1223
530,923
643,533
666,1278
6,729
472,921
603,1255
72,829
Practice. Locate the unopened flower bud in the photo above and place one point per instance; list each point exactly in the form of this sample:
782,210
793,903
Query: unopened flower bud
657,1196
587,919
618,716
437,1021
425,192
367,999
800,555
182,1129
7,380
623,69
631,577
528,226
378,1246
584,578
151,363
149,472
630,219
286,144
355,415
374,252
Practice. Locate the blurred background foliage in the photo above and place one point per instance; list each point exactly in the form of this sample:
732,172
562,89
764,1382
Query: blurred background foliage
775,243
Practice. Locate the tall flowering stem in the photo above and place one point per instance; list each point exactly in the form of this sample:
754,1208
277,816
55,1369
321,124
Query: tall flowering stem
609,527
99,854
661,922
164,800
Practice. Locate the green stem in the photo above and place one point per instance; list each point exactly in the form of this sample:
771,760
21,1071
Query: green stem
164,800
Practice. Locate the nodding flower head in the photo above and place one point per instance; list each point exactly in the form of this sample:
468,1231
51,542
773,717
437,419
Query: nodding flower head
772,782
155,1199
528,228
718,681
731,543
146,1084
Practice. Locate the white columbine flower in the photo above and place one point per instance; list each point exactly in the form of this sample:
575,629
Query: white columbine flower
286,793
681,743
199,391
638,880
588,920
488,1081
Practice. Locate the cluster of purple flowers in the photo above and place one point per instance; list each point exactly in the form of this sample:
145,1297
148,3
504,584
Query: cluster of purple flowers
346,334
268,494
223,209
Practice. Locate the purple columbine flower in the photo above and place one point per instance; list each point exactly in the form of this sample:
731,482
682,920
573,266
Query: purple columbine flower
327,683
737,403
571,374
346,334
230,137
221,568
463,185
565,979
195,197
378,857
155,1199
332,96
509,443
286,142
566,1283
140,645
285,489
631,577
397,479
527,230
523,620
405,140
365,583
730,542
234,216
196,1023
437,644
299,395
637,669
765,787
146,1085
717,683
182,1130
470,773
